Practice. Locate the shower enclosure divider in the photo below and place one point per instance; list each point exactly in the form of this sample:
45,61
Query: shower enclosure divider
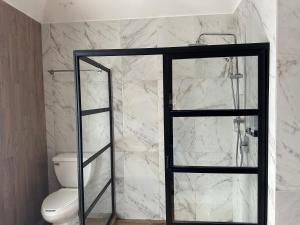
261,50
81,164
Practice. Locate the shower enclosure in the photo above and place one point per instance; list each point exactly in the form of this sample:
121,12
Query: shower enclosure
215,135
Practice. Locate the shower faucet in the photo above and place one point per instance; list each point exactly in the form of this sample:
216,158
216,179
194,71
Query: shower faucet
237,121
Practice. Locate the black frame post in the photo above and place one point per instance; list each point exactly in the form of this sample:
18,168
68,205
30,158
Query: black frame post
168,133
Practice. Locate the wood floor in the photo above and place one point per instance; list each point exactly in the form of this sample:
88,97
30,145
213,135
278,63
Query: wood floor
126,222
139,222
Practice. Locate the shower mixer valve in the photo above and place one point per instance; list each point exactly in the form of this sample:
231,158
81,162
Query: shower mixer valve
237,121
245,144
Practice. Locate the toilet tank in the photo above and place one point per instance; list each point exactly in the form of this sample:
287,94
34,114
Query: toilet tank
65,167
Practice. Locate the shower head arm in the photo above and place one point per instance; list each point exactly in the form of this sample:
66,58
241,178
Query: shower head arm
217,34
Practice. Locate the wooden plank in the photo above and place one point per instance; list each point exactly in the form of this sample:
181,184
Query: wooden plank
23,153
139,222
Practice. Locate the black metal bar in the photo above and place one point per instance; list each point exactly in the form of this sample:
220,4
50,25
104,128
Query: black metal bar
265,121
112,156
110,219
203,51
87,212
93,157
209,113
263,94
209,223
168,130
94,111
79,141
215,169
94,63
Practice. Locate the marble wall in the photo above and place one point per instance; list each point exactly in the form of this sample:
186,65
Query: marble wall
256,22
288,135
138,111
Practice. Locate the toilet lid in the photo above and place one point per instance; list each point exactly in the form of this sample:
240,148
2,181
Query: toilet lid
60,199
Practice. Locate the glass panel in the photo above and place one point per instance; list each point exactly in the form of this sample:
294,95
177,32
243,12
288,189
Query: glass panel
96,175
215,141
102,210
215,197
215,83
94,87
95,132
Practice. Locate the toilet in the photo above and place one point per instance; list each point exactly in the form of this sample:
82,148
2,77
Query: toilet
61,207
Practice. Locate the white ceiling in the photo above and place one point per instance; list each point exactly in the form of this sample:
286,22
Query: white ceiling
55,11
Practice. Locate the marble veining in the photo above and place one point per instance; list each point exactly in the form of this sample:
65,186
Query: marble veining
288,154
256,22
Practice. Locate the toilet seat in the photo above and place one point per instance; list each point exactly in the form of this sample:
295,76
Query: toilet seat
60,205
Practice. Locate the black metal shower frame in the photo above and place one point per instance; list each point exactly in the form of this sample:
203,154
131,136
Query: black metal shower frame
81,164
261,50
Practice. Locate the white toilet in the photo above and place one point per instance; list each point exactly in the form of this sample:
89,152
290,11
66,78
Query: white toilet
61,207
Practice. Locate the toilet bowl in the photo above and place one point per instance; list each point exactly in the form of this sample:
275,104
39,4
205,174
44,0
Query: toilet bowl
61,207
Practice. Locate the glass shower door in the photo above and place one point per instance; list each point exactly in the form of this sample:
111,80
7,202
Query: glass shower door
215,121
95,142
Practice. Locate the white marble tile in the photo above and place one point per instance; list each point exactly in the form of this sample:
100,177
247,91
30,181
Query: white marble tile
103,208
117,93
287,208
185,205
204,158
140,33
64,112
94,90
95,132
65,126
204,135
195,197
215,204
215,24
141,114
249,23
119,164
202,93
141,191
251,82
101,174
245,198
176,31
289,43
288,153
142,67
88,35
161,152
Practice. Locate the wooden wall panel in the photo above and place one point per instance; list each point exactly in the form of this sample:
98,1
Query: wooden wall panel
23,154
